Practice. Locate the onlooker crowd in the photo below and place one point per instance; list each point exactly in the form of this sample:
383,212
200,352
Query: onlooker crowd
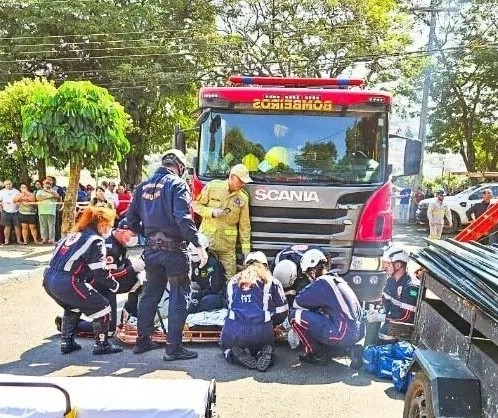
33,213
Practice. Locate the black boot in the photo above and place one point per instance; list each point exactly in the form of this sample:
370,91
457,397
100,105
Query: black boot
102,344
68,328
144,344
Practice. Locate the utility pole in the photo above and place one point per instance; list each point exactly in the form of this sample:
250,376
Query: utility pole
425,92
422,131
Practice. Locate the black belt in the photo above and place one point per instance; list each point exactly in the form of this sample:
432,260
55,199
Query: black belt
160,242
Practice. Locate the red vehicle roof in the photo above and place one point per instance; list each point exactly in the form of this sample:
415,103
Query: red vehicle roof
336,96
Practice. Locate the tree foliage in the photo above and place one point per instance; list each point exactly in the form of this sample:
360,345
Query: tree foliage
18,162
464,91
314,39
148,53
80,124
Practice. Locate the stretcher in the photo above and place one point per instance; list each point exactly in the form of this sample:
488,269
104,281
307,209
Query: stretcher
105,397
127,334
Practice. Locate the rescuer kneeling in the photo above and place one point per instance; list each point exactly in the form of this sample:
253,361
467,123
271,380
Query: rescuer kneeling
78,262
256,304
328,314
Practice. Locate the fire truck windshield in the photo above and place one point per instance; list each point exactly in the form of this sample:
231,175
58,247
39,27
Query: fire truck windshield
337,148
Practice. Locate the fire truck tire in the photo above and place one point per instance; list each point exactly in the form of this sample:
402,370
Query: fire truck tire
418,401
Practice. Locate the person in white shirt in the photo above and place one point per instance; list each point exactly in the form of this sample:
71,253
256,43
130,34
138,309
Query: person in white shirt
436,212
10,212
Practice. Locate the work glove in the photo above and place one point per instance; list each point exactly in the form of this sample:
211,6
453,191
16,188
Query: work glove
137,264
217,213
375,316
203,256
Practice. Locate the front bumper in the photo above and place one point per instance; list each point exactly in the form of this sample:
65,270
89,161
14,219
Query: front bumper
367,285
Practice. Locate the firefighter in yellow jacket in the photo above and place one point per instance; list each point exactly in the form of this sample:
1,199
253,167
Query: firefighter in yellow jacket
224,208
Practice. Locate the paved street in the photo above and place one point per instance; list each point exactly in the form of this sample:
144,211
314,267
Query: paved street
289,389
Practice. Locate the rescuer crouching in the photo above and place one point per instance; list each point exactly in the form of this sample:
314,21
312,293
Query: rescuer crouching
79,262
327,314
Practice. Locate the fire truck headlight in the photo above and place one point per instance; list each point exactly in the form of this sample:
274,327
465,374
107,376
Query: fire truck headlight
356,280
366,263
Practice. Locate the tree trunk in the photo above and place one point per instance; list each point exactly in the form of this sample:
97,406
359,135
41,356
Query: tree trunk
130,169
41,166
71,196
24,173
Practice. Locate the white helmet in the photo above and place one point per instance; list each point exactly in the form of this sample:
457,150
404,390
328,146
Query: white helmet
311,258
395,253
285,272
176,156
258,256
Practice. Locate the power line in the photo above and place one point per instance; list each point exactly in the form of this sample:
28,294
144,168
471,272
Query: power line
364,57
184,30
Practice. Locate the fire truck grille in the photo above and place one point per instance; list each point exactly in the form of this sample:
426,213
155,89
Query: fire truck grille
296,225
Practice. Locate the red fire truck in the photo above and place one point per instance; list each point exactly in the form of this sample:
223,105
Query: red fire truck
317,150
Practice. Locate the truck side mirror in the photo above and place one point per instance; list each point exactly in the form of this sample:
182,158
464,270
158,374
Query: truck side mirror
180,141
413,155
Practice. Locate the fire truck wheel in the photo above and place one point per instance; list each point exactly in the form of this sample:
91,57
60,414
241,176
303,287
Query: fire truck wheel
418,401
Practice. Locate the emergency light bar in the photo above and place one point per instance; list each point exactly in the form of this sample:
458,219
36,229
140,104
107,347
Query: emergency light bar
297,81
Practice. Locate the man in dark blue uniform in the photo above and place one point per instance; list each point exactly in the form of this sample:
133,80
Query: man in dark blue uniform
160,210
399,297
327,314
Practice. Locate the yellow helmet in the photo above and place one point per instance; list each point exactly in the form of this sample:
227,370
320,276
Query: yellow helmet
277,155
251,162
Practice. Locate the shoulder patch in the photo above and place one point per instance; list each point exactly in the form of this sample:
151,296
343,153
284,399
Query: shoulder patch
72,238
413,292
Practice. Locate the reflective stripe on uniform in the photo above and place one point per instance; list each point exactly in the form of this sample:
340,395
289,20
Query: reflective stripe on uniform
231,314
100,314
297,316
84,248
99,265
266,300
339,296
400,304
281,309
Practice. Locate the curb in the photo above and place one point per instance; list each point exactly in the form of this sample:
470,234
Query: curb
21,276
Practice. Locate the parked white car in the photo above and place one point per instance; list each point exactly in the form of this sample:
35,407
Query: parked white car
459,204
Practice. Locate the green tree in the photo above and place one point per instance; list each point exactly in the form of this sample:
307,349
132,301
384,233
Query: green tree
463,118
20,159
314,39
150,54
317,156
80,124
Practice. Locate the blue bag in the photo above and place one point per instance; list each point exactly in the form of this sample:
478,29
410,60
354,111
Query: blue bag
401,376
384,370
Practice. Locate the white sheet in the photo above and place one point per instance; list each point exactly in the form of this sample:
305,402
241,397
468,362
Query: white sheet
105,397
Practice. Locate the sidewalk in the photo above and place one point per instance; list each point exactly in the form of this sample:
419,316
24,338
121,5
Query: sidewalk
22,262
